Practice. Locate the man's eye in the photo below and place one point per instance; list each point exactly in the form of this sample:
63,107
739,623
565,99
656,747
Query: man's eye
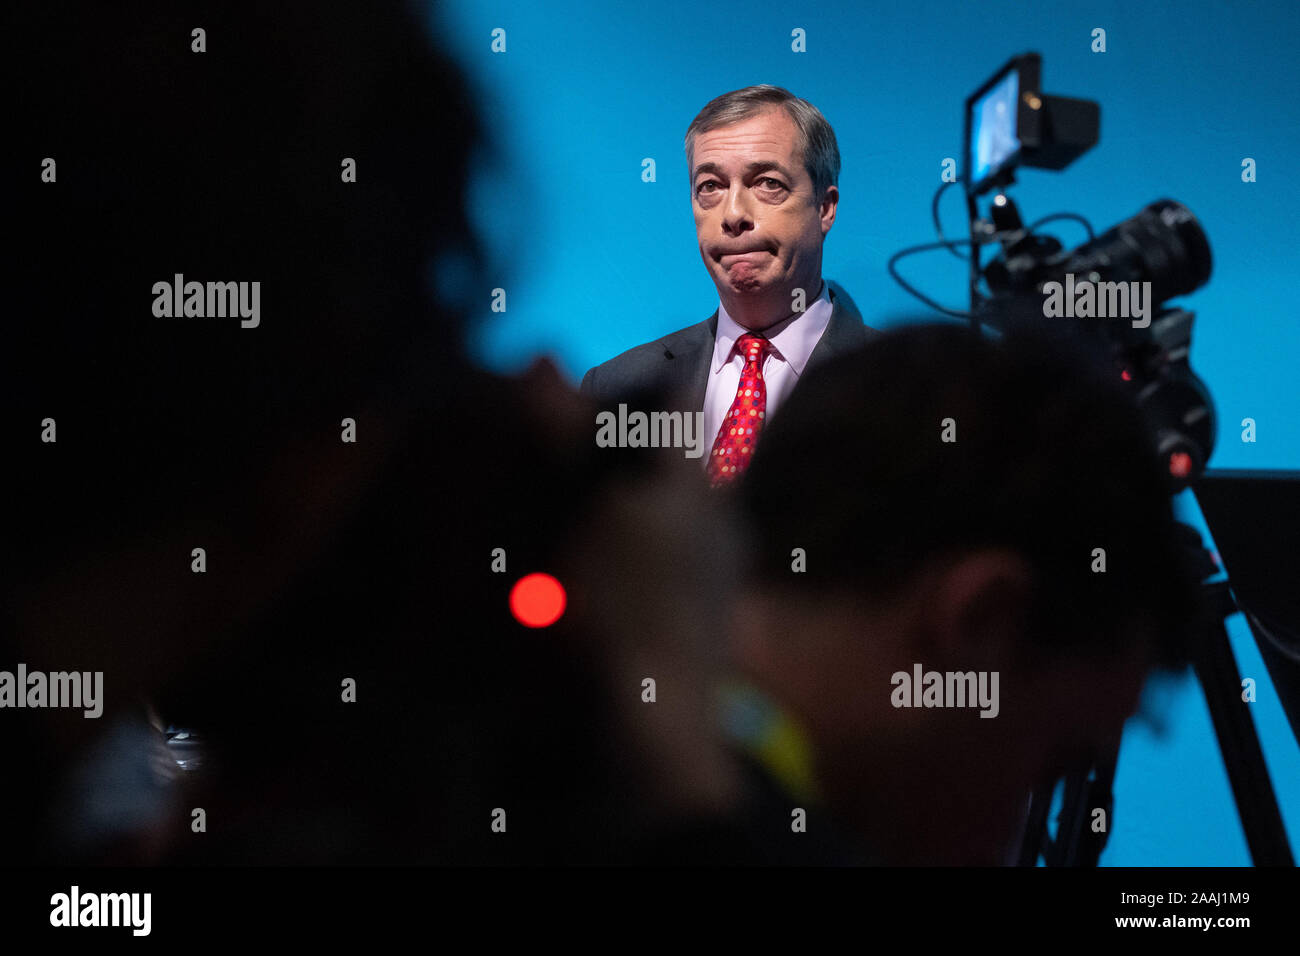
776,183
700,188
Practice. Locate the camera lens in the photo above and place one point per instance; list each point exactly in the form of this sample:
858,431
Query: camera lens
1163,244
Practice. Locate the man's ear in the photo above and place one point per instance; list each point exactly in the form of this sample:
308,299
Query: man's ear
826,211
975,609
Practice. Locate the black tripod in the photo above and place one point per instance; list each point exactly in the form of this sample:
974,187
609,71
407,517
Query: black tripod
1077,844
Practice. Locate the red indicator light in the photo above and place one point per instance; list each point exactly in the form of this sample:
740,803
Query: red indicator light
537,600
1180,464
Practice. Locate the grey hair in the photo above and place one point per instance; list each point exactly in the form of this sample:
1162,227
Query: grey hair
821,153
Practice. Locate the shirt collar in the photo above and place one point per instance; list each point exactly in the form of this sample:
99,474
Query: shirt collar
792,339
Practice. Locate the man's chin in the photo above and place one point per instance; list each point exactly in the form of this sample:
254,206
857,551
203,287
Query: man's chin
746,282
749,288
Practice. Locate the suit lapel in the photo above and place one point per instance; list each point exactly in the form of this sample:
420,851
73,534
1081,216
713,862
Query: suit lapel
689,354
844,332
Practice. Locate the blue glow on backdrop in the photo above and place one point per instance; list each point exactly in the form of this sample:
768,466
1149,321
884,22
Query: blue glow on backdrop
595,261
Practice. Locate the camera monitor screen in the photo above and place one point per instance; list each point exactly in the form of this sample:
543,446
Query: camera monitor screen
994,138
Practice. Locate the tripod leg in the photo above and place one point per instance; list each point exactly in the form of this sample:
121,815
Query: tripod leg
1077,844
1256,803
1099,795
1035,838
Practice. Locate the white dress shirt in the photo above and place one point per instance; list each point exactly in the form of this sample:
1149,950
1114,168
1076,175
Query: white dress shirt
793,341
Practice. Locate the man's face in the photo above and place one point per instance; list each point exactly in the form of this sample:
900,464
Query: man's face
759,229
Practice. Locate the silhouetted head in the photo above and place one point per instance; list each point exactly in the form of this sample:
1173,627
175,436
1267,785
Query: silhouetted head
971,507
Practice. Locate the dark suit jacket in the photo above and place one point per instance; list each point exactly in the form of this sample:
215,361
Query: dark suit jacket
676,367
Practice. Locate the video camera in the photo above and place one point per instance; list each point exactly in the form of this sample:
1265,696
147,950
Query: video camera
1127,273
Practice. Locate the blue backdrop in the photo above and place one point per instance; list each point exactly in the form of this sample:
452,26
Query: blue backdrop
594,260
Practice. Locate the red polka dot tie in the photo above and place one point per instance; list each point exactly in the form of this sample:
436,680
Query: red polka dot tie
734,446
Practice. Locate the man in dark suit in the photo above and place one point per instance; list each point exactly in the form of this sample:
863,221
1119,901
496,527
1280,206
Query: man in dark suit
763,166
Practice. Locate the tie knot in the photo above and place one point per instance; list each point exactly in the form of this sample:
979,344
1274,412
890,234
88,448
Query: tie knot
753,348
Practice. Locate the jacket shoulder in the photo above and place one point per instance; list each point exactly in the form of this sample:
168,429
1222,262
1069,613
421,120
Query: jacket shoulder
637,367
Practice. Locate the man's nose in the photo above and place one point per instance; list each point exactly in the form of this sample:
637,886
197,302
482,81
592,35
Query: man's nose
737,217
